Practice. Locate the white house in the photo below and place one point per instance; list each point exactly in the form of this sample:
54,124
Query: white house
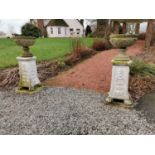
60,27
64,28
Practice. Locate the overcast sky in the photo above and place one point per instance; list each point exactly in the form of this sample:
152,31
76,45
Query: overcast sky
12,25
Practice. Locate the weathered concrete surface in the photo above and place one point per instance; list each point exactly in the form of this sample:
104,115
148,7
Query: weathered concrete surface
147,106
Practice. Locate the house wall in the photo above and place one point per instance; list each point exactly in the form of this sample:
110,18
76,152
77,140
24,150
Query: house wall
64,31
75,24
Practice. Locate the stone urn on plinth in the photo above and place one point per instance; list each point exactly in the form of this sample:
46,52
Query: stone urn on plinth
120,69
29,81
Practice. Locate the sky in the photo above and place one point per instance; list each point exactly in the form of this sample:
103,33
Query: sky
12,25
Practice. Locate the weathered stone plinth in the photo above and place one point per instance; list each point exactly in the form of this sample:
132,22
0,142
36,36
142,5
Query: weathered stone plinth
29,81
120,80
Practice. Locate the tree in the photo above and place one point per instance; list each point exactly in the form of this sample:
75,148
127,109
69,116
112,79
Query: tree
101,24
88,30
31,30
150,33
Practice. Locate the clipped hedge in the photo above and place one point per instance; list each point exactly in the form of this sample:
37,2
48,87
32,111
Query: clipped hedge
123,36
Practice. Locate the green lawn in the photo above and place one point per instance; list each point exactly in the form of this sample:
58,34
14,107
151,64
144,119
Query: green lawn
44,49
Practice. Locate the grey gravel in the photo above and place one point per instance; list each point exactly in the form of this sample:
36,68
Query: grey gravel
67,111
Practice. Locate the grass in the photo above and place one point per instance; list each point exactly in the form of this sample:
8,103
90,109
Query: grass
44,49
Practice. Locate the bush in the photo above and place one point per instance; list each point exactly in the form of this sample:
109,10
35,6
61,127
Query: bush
79,52
30,30
88,30
141,36
123,36
100,45
140,67
99,34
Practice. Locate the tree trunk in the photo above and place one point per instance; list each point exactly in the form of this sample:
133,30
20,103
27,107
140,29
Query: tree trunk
149,34
108,29
101,24
137,28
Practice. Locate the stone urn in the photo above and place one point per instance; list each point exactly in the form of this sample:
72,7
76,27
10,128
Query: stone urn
120,70
29,81
25,42
122,41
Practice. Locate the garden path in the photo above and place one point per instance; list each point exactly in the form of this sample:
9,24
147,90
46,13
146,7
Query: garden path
94,73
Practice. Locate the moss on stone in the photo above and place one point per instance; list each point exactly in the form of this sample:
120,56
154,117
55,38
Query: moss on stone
36,89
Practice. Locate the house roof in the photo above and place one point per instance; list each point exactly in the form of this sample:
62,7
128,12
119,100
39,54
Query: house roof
57,22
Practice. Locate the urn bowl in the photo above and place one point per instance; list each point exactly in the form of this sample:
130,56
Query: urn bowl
24,41
122,41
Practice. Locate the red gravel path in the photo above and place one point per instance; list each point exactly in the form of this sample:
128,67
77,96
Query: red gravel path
94,73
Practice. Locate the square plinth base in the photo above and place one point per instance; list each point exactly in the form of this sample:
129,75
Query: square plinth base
22,90
128,103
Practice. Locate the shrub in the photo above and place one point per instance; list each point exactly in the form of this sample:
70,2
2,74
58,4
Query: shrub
30,30
123,36
79,52
88,30
140,67
141,36
99,34
100,45
77,45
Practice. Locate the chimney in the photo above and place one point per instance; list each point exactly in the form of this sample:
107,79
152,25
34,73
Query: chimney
40,25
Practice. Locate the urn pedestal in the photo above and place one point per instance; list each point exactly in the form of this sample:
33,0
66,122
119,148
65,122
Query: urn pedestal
120,69
120,80
29,81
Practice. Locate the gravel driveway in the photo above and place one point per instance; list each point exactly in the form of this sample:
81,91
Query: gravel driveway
67,111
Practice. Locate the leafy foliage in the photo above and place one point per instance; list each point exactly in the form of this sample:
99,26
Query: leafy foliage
31,30
140,67
79,52
101,44
88,30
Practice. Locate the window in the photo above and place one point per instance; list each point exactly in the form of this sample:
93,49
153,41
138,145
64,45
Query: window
51,30
59,30
78,31
65,30
71,31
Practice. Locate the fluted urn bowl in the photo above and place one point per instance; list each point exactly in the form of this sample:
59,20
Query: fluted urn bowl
25,42
122,41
